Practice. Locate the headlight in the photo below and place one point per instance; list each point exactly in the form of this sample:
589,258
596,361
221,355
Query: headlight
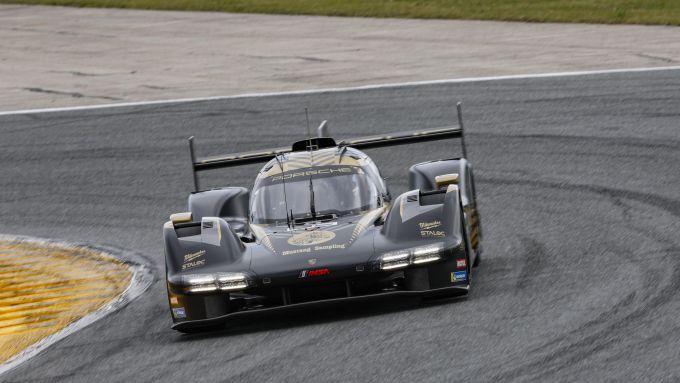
417,255
199,283
203,283
231,281
426,254
394,260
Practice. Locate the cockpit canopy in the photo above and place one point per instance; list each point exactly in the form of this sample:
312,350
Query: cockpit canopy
319,184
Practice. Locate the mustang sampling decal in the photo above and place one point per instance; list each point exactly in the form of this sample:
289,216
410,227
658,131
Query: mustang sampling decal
315,248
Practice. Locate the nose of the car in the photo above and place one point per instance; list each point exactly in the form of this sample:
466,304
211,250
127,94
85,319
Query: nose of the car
341,248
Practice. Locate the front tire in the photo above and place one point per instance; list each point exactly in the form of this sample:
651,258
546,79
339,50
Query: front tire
201,329
478,260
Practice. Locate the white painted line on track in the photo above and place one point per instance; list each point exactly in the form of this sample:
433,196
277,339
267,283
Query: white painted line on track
346,89
142,278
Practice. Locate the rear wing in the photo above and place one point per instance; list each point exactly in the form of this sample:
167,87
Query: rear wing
368,142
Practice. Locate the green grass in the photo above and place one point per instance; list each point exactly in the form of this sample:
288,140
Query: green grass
585,11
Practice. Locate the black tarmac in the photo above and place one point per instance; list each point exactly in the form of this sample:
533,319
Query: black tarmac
578,182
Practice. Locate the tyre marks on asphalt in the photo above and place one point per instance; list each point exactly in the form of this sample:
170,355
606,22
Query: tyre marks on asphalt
615,325
533,262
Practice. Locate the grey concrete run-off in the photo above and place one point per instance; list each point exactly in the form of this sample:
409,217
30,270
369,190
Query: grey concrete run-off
578,189
54,56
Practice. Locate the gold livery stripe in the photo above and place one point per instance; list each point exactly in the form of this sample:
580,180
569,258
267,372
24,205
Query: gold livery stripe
366,220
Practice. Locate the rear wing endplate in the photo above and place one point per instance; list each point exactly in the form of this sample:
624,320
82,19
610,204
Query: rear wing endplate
369,142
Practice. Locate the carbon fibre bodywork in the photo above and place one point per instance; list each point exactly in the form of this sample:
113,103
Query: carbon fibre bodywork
424,242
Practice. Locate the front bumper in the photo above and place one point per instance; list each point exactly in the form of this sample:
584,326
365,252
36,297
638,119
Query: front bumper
207,310
452,291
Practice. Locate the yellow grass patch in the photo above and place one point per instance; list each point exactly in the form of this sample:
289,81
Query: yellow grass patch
44,287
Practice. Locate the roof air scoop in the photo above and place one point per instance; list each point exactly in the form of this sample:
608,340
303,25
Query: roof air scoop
314,144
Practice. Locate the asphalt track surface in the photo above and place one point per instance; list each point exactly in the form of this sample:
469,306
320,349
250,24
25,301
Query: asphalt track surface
578,187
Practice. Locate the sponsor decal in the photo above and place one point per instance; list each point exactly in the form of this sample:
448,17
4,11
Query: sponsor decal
174,300
429,225
193,265
314,273
330,247
312,261
457,276
461,263
432,233
297,251
311,238
179,312
311,173
191,256
315,248
192,260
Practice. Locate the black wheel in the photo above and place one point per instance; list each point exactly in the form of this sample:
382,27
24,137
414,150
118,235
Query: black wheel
468,248
478,260
202,329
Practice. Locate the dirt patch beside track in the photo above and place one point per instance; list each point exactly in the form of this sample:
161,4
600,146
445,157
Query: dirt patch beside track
59,56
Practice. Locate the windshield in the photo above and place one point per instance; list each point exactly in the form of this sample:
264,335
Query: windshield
337,190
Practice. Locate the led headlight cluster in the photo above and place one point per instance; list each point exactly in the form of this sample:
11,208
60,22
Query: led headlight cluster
426,254
203,283
394,260
233,281
417,255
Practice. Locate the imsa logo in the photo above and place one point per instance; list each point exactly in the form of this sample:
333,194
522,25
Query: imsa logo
314,273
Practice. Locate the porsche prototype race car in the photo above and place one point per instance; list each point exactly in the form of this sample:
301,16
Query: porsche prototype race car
320,226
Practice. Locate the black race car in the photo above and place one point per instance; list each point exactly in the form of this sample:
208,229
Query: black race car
320,226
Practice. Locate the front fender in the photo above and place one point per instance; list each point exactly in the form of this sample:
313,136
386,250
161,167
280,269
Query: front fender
417,216
202,245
